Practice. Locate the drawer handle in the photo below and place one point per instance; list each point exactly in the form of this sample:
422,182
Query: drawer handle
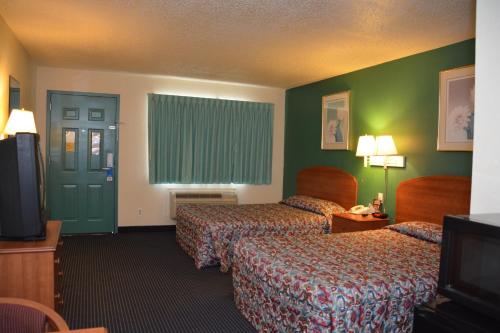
59,299
57,260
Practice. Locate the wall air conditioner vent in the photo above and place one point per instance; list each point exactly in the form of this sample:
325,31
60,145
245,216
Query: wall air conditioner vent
198,195
225,197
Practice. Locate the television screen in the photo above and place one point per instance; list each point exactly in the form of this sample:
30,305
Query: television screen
470,264
479,266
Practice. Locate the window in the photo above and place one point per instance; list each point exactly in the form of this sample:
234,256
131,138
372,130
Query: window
209,141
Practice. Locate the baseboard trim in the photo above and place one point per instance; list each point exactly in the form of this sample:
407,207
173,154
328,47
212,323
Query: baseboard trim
147,228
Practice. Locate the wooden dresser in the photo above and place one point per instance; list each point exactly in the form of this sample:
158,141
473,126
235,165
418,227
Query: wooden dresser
30,269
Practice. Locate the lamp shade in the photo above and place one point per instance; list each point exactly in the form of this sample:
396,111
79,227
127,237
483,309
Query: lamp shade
366,146
20,121
385,146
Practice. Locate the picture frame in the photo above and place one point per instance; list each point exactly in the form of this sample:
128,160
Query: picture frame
456,109
335,121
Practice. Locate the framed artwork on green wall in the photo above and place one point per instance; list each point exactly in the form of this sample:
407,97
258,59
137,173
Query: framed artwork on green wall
335,121
456,109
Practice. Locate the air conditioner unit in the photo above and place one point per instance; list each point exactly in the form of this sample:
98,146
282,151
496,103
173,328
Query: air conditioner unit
225,197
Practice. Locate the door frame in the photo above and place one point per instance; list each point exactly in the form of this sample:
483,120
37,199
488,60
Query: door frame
47,139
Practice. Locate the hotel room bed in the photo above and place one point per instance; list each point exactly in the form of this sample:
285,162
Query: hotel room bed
359,282
208,232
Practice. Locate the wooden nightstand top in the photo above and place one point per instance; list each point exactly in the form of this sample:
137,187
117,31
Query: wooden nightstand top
347,222
359,217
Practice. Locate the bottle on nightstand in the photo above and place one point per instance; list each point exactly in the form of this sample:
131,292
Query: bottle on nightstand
380,197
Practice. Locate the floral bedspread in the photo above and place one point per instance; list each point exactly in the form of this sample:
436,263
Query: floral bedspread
354,282
208,232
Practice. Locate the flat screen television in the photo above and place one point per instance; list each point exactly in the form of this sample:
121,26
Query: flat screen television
470,262
22,213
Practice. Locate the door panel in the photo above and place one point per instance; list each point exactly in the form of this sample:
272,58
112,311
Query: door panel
81,184
69,199
95,207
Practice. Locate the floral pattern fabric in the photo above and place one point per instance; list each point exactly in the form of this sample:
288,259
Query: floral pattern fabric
315,205
422,230
352,282
208,232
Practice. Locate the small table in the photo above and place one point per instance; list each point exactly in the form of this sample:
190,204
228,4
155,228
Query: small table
347,222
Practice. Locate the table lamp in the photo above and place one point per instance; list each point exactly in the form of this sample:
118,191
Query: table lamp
385,146
366,147
20,121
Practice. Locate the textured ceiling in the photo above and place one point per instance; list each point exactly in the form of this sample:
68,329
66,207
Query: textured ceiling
282,43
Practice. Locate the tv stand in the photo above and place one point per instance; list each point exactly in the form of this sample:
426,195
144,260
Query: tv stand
30,269
444,315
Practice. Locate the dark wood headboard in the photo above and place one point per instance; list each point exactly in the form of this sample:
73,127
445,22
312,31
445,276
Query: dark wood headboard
430,198
328,183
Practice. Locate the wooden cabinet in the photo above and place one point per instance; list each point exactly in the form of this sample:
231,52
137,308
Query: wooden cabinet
30,269
346,222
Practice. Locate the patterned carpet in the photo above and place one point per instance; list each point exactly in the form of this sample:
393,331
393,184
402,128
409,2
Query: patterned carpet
143,282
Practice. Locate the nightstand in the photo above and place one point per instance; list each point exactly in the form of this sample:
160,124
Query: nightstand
347,222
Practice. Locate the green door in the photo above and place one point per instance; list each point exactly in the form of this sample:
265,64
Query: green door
82,170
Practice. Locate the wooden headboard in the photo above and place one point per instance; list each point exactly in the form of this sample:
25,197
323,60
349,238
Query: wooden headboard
328,183
430,198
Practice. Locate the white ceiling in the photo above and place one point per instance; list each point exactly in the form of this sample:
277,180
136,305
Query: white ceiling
282,43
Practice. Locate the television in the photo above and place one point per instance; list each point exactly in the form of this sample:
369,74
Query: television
469,273
22,195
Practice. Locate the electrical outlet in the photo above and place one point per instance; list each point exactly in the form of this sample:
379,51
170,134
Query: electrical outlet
139,212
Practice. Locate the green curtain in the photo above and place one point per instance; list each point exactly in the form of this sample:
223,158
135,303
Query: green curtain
209,141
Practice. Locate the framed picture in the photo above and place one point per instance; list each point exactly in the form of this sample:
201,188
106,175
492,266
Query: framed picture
335,121
456,109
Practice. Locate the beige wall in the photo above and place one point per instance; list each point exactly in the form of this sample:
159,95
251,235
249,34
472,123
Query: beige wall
134,191
486,160
15,61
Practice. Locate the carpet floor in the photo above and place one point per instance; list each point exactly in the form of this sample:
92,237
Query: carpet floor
143,282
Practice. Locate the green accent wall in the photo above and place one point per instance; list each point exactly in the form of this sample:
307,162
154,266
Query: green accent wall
400,98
